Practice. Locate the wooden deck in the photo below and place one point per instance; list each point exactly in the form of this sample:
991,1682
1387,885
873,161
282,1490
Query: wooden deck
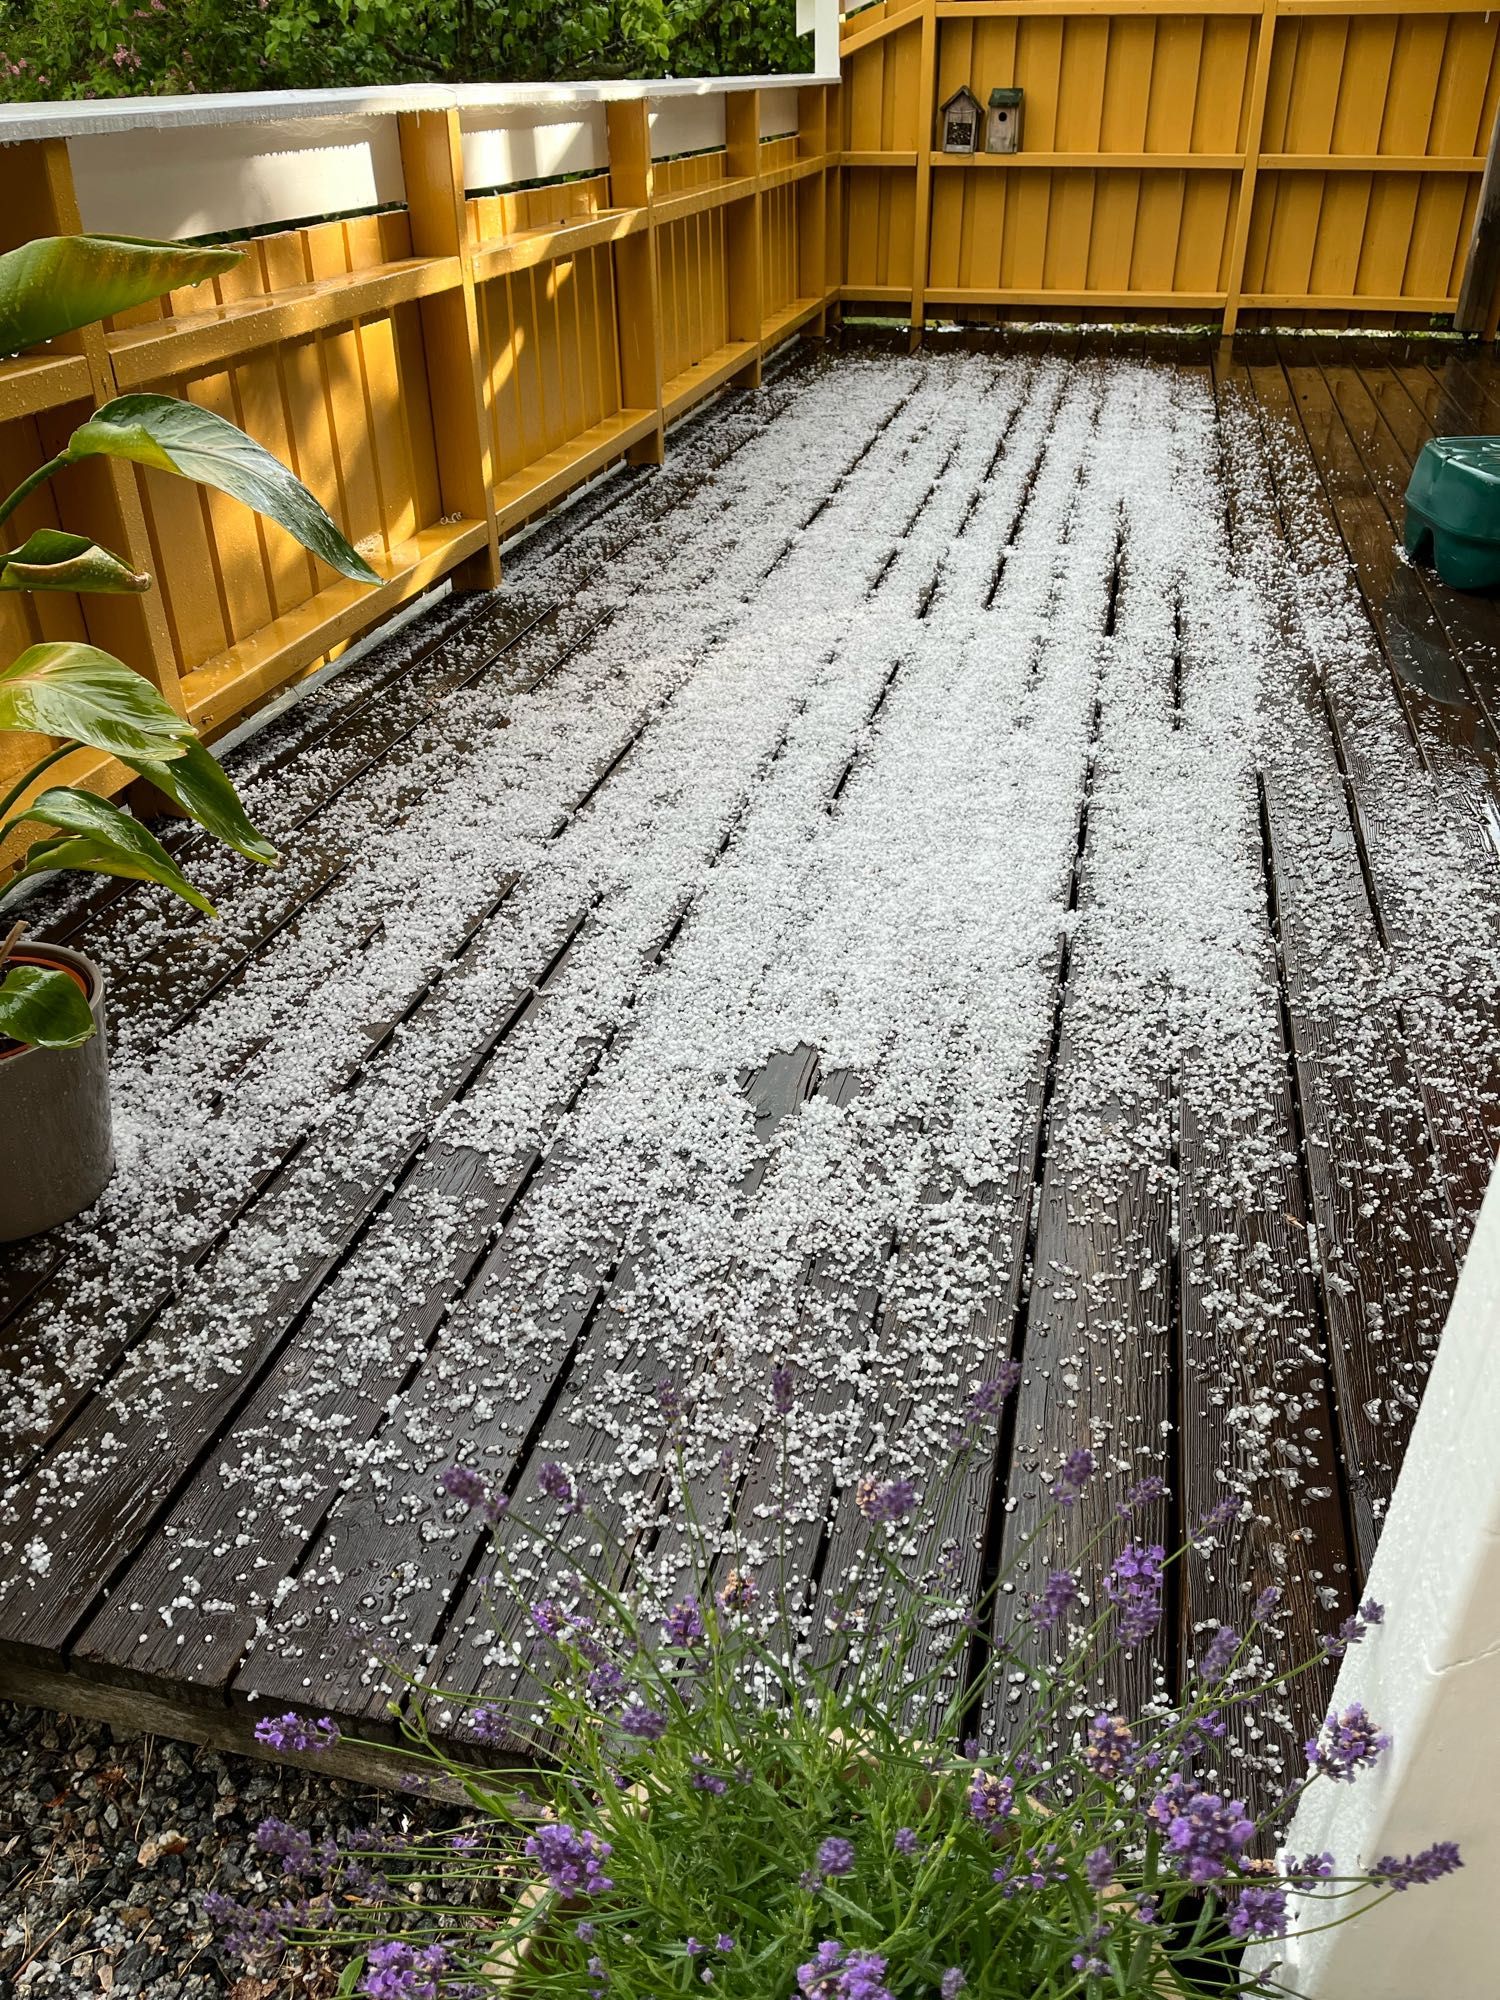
986,853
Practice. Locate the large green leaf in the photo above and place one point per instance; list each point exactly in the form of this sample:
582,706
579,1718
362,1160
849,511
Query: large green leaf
45,1010
55,284
52,560
197,783
179,437
100,857
62,688
118,843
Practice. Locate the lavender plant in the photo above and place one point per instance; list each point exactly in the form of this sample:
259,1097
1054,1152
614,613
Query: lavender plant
726,1792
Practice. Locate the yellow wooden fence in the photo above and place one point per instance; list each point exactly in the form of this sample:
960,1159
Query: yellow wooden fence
436,374
1229,160
443,368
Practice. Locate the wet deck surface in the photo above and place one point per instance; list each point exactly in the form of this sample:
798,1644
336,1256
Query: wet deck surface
985,854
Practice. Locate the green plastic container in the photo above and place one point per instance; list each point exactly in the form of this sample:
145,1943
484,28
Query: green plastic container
1453,510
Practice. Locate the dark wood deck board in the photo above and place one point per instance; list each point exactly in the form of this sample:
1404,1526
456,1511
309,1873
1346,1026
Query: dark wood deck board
1149,1362
1383,1245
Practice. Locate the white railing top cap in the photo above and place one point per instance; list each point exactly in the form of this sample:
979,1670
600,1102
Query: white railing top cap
157,114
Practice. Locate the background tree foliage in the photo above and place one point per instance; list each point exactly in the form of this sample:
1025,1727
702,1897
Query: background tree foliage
120,48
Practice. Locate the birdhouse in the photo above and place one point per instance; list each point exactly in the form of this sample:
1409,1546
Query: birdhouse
958,121
1002,131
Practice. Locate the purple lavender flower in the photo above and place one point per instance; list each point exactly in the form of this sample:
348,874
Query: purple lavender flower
548,1616
834,1974
1410,1869
1208,1728
244,1930
1055,1599
1258,1913
1349,1743
1219,1654
710,1781
952,1983
288,1844
1266,1603
1086,1959
1205,1834
581,1634
835,1856
606,1685
723,1942
570,1860
396,1970
737,1593
988,1397
1313,1868
693,1947
905,1841
648,1725
1099,1867
819,1978
1075,1472
1220,1515
1145,1493
781,1389
585,1932
1134,1587
462,1483
885,1503
295,1732
487,1723
1353,1629
553,1482
1110,1748
683,1624
670,1397
992,1800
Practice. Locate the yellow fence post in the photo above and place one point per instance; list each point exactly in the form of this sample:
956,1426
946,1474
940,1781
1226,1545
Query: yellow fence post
102,495
812,203
833,229
637,291
744,257
432,161
926,119
1254,135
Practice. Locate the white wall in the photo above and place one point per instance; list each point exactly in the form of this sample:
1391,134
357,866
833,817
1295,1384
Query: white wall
1431,1677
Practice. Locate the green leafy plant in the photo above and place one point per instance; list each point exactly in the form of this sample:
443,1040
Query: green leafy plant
790,1797
129,48
77,694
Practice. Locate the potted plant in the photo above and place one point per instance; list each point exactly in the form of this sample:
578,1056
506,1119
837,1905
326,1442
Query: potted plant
55,1144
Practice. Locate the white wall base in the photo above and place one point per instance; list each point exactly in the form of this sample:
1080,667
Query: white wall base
1431,1678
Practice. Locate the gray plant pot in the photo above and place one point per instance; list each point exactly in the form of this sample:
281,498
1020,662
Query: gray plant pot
56,1145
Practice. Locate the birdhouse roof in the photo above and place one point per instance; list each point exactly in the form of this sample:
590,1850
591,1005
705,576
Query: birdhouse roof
961,93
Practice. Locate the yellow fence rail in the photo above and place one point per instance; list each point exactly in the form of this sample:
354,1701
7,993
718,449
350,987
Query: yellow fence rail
1223,159
437,373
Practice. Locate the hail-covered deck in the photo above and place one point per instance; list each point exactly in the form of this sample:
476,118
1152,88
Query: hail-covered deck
988,854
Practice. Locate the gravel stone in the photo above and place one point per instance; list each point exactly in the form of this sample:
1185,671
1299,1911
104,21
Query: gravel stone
110,1840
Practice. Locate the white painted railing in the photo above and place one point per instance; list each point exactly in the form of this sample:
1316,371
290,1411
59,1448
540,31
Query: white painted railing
196,166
